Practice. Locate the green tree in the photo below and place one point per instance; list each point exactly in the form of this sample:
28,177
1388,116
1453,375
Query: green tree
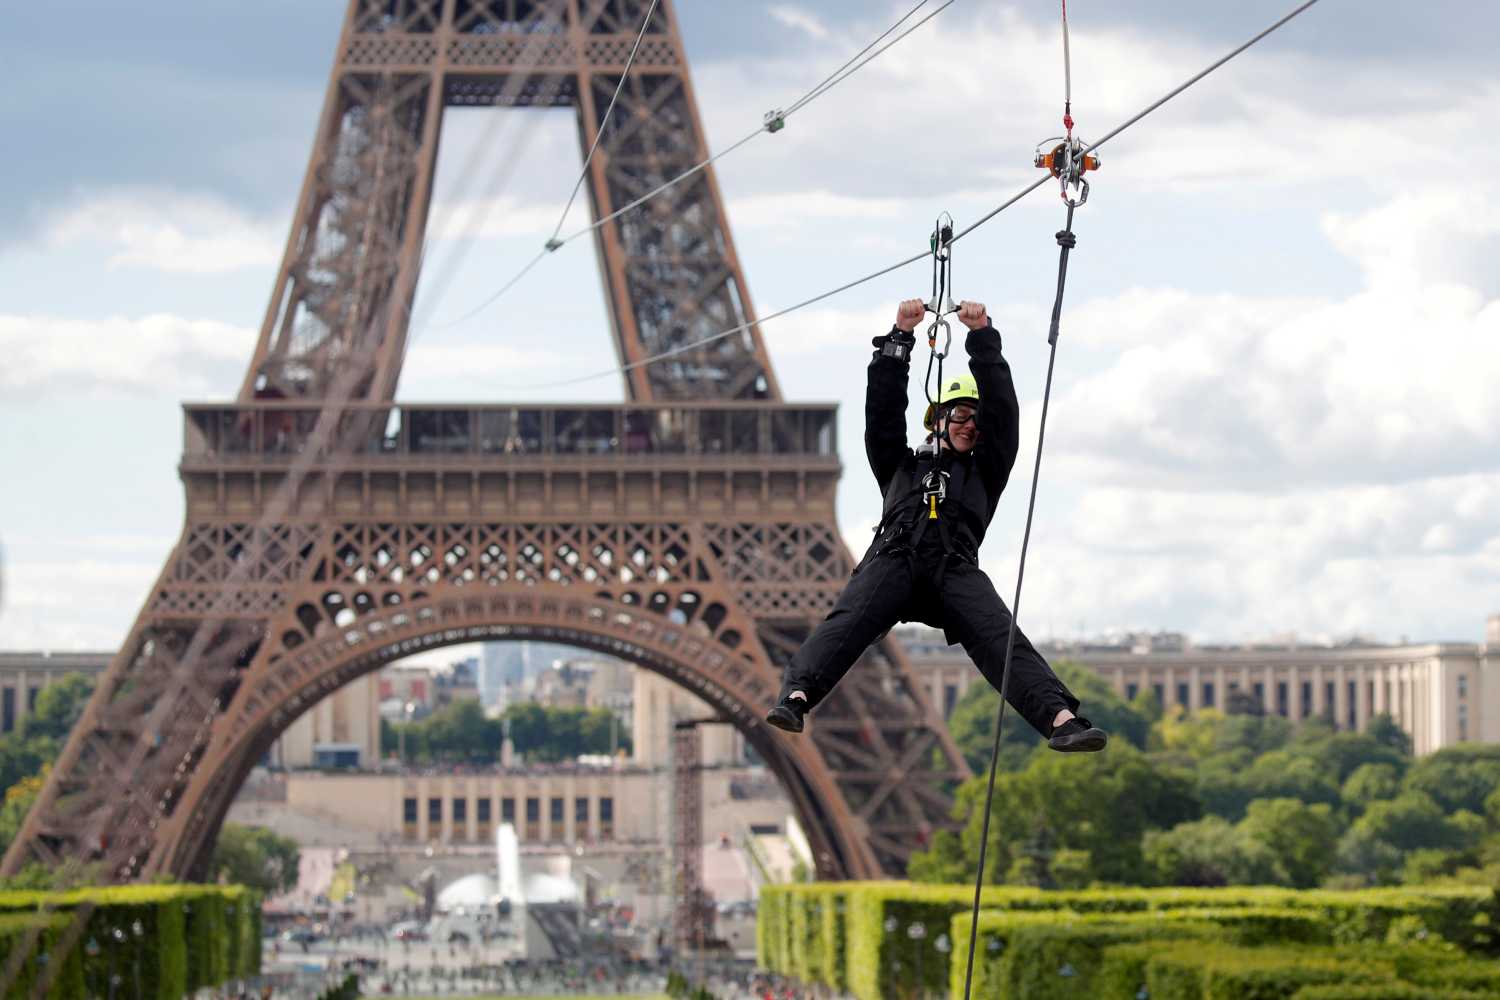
1256,734
1222,784
973,720
1095,804
21,757
1371,783
1286,774
58,707
1458,777
1207,852
972,724
256,857
564,735
602,732
1191,734
1341,754
18,800
1302,838
1411,821
528,726
1383,729
1365,859
944,860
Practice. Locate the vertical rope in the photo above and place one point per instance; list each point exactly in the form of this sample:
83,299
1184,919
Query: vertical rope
1067,74
1065,239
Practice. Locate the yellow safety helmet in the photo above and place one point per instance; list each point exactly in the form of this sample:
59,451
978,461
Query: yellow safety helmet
954,389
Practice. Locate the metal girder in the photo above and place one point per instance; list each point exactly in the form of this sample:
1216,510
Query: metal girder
344,293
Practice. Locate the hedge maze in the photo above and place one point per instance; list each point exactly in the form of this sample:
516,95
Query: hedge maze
901,941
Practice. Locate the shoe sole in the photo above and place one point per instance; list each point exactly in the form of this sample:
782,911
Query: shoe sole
1088,741
784,720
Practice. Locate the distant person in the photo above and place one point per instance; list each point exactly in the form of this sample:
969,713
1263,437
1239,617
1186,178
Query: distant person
923,564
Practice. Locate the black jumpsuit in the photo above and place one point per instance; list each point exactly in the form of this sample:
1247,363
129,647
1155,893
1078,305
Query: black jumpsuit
928,572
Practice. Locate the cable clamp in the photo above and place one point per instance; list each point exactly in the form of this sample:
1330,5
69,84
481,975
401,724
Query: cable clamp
775,120
553,244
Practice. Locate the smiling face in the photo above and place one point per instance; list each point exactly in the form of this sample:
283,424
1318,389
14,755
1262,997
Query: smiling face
962,429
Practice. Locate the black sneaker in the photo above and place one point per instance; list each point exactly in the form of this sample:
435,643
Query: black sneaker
1078,735
787,715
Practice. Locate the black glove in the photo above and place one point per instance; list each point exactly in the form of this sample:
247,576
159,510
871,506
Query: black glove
896,344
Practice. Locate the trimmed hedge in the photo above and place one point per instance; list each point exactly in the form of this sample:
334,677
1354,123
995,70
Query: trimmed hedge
856,936
156,941
38,935
1385,991
1202,971
1036,954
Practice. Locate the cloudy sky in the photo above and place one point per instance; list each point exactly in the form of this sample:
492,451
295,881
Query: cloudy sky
1278,396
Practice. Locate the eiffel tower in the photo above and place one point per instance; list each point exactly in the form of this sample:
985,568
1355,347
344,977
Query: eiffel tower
331,530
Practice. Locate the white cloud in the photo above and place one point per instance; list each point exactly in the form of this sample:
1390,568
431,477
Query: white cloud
43,600
492,218
796,209
1321,563
169,231
842,333
157,355
1393,382
799,19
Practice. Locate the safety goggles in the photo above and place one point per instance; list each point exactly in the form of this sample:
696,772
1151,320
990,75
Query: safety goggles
960,414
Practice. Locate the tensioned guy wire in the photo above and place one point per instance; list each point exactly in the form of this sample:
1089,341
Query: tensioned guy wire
851,60
798,105
599,133
1112,133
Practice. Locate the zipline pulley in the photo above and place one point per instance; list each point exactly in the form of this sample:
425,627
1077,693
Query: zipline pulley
941,303
1068,159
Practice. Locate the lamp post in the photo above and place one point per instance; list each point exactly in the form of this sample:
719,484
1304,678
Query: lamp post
406,710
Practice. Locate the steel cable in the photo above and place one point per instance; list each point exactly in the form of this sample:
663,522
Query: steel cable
1028,189
827,84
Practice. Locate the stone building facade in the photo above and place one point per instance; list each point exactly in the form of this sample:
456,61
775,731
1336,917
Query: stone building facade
1439,693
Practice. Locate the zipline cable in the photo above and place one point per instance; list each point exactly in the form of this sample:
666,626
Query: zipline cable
773,123
817,90
1148,109
798,105
599,133
1193,79
1028,189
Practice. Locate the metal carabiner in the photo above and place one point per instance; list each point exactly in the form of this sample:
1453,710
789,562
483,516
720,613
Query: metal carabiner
932,334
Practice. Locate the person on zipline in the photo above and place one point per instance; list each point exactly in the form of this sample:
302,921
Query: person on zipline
923,564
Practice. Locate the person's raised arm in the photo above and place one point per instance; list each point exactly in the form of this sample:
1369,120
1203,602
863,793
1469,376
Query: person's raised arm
999,414
885,394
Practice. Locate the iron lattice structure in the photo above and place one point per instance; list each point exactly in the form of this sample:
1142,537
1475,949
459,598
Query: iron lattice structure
693,915
330,531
